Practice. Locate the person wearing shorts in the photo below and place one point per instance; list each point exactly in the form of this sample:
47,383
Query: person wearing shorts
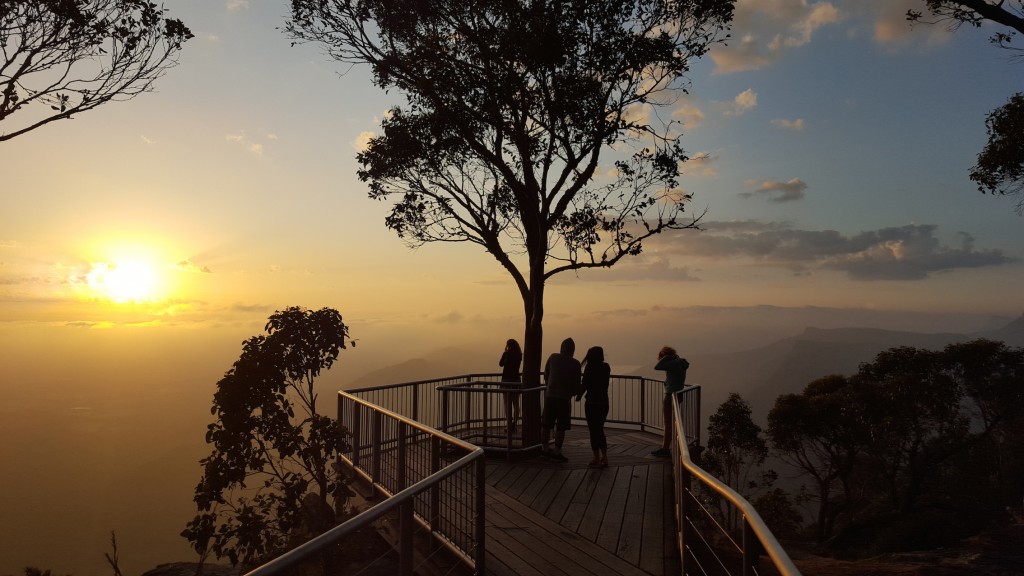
562,380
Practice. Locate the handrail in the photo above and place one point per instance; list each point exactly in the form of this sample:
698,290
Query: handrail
401,497
684,470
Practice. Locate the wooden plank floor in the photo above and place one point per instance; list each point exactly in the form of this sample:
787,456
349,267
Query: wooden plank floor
565,518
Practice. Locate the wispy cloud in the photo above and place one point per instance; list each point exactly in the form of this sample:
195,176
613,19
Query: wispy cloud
777,191
796,125
237,5
911,252
187,265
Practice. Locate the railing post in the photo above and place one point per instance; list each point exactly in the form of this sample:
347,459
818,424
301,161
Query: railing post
435,490
444,411
416,403
375,447
751,550
403,461
357,433
683,508
481,524
405,544
643,404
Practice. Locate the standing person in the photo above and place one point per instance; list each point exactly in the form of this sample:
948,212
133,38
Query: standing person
675,378
562,381
510,360
596,376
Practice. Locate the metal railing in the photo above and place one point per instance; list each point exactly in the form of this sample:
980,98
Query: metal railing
706,545
437,480
428,478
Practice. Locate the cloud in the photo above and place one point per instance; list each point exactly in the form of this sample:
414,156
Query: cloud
888,22
767,29
700,164
187,265
658,269
777,191
237,5
796,125
245,143
9,244
692,115
744,101
452,317
911,252
362,142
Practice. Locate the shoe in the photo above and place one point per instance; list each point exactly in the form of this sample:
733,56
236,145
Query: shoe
604,463
661,452
594,464
556,457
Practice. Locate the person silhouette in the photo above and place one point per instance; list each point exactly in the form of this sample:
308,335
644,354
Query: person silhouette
596,377
510,360
675,378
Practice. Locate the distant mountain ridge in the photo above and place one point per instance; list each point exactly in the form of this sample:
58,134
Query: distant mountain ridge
759,374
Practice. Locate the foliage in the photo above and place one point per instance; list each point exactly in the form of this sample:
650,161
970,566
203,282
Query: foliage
70,56
528,128
1000,165
271,474
821,432
914,434
736,452
1007,13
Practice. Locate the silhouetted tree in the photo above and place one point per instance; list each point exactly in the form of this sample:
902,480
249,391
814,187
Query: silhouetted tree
63,57
272,466
513,113
822,432
736,452
1000,165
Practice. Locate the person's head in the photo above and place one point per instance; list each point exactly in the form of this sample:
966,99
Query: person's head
568,347
666,351
594,356
512,346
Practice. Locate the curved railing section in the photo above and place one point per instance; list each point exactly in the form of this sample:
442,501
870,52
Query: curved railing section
435,480
431,480
706,544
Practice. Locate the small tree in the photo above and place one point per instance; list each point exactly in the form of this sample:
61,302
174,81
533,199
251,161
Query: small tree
63,57
821,433
737,451
529,127
271,474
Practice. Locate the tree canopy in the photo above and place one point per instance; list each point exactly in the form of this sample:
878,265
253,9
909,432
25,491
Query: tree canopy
911,433
528,128
1000,165
271,475
63,57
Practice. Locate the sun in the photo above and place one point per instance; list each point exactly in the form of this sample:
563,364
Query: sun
128,280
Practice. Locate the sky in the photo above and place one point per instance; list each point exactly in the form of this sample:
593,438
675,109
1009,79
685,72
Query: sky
142,242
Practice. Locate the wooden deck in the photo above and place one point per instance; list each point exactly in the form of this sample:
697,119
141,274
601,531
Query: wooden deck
546,518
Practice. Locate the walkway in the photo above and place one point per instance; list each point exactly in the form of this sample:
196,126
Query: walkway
553,519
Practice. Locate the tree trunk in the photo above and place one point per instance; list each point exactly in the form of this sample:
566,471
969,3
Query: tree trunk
533,347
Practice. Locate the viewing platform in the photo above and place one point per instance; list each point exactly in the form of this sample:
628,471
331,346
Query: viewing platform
458,492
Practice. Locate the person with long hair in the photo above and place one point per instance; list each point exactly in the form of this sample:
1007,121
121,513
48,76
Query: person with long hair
675,378
596,377
510,360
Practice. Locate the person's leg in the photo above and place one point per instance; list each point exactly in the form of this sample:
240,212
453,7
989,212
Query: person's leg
594,427
602,439
666,440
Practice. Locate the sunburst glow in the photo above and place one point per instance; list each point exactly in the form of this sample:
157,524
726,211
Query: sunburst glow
123,281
